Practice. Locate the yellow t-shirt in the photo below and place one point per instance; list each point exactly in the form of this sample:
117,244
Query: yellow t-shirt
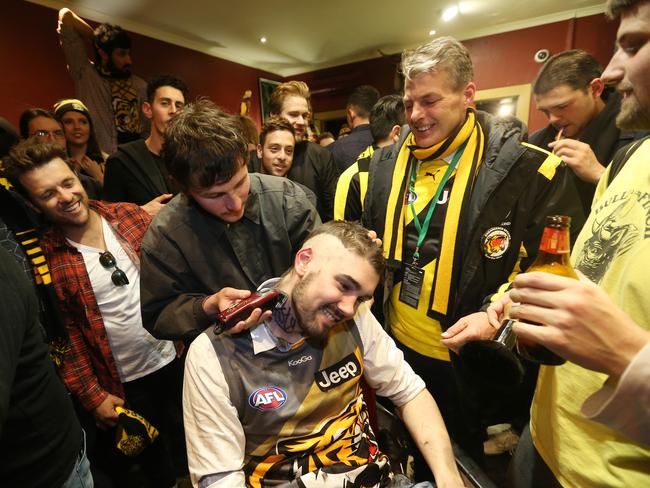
612,250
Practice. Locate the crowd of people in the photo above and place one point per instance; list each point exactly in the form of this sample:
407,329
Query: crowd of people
135,223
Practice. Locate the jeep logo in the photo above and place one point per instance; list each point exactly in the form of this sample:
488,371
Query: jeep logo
342,372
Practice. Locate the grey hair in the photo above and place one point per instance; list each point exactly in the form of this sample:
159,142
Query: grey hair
442,53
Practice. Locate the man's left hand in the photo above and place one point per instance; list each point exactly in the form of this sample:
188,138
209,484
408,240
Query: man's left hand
473,327
580,158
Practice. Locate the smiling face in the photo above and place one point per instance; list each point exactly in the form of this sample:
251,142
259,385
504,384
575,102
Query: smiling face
76,128
57,193
629,68
277,153
226,201
332,285
296,110
434,109
570,110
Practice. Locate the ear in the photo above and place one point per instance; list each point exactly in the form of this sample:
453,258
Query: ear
147,110
468,93
302,260
350,115
395,133
103,55
259,151
596,86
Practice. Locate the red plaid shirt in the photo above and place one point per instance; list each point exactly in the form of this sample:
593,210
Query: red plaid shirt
89,369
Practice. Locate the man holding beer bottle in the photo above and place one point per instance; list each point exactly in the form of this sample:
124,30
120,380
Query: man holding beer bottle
588,428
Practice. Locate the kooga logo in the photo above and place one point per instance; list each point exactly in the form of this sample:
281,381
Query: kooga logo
346,369
296,362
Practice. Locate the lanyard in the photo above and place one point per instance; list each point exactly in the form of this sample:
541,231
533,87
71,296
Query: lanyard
423,228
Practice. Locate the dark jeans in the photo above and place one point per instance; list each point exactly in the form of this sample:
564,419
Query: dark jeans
440,380
158,398
527,468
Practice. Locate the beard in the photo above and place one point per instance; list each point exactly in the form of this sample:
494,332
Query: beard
307,316
632,116
115,72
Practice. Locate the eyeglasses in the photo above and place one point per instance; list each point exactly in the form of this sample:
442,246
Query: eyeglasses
107,260
46,133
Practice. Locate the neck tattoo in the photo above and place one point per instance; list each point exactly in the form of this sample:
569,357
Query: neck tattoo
285,319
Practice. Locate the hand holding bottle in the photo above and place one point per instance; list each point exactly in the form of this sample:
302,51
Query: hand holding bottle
582,324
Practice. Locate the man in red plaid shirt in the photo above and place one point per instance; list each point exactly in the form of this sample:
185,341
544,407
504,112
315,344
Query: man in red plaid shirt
93,251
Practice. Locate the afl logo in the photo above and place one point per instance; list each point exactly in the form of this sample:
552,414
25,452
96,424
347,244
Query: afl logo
267,398
495,242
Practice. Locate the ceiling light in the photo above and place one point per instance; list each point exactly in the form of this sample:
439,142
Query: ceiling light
432,32
450,13
263,40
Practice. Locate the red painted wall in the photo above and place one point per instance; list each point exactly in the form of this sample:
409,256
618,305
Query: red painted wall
34,73
499,60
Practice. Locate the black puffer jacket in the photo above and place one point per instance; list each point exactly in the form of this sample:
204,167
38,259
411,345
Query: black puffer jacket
512,191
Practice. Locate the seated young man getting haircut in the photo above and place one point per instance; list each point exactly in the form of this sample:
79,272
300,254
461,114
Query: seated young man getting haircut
281,403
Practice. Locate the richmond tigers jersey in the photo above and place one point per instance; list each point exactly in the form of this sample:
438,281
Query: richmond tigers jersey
302,412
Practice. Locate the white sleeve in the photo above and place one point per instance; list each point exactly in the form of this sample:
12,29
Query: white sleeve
385,369
213,433
625,406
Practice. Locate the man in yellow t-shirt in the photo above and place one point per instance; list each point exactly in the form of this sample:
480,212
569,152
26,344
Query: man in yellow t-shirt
590,420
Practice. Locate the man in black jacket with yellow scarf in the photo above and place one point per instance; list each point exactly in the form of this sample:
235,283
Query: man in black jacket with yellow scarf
459,203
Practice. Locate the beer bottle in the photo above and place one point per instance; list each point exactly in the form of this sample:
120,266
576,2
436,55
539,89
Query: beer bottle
553,257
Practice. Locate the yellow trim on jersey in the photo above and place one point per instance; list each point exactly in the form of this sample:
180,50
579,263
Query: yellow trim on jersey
342,191
344,182
549,165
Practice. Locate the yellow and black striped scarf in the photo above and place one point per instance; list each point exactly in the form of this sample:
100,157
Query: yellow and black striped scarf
27,236
465,174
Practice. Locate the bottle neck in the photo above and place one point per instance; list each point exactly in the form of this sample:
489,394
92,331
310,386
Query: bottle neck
555,240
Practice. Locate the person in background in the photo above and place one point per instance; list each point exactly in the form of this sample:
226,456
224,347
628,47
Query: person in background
357,111
313,166
42,125
325,139
582,118
113,95
386,120
275,149
250,132
136,173
81,141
